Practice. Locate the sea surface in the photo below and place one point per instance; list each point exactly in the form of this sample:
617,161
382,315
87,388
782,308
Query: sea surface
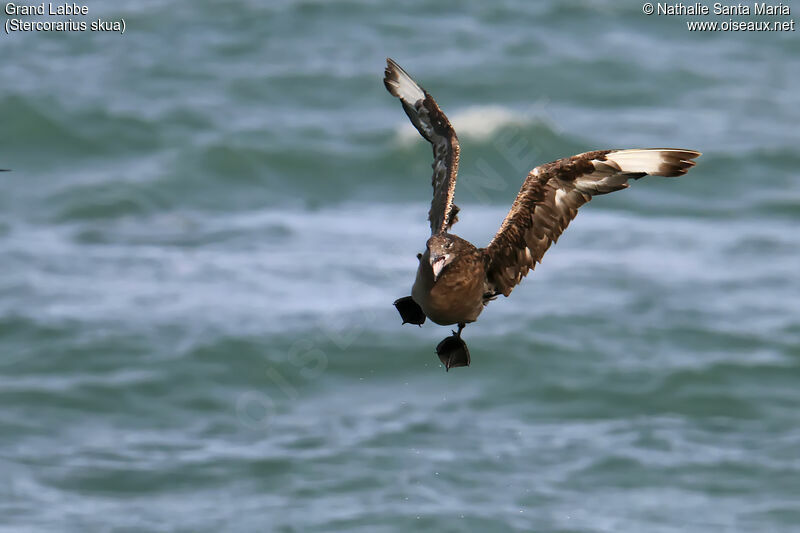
209,216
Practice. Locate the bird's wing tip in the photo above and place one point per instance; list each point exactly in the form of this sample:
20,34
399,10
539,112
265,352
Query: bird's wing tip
400,84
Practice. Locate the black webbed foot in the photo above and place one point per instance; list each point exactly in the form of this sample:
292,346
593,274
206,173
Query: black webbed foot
410,311
453,352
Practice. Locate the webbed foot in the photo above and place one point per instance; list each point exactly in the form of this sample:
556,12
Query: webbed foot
453,351
410,311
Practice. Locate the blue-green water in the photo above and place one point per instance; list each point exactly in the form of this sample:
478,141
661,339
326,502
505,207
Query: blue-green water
210,215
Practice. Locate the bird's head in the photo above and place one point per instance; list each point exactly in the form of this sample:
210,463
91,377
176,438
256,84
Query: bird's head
441,252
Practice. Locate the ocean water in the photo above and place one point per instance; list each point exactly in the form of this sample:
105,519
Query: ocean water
210,215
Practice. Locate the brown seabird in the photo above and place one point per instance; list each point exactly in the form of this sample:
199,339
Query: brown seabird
455,280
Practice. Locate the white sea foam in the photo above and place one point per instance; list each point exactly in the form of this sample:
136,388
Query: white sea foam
476,122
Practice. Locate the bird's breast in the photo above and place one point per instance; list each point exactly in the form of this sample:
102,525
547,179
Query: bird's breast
456,296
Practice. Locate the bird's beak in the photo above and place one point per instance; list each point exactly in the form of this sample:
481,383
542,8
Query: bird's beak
437,264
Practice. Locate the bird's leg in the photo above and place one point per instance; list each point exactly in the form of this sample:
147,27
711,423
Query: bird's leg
410,311
453,351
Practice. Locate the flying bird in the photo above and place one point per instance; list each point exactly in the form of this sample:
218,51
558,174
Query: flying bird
455,280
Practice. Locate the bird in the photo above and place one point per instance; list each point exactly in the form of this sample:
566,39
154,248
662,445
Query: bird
455,279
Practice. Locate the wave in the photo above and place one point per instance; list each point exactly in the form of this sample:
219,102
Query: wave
476,122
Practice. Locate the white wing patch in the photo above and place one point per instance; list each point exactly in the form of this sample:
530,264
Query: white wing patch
405,88
647,160
613,172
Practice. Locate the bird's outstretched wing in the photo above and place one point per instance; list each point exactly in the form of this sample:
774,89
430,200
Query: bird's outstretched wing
550,198
432,124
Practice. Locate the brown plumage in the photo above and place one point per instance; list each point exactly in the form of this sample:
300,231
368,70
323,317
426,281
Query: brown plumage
455,280
433,125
